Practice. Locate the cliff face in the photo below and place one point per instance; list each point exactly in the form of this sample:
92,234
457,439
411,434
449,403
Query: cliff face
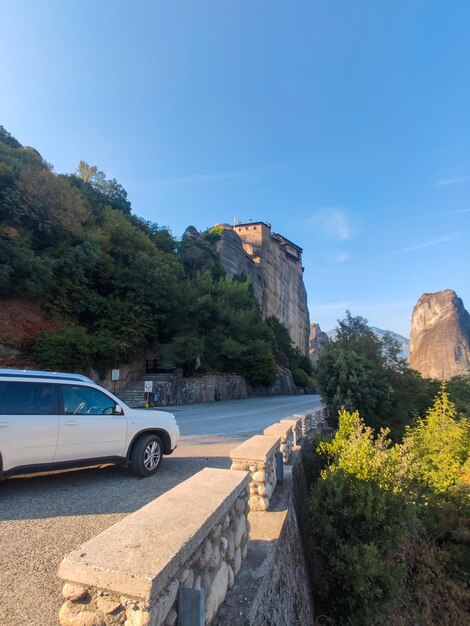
316,340
275,265
440,336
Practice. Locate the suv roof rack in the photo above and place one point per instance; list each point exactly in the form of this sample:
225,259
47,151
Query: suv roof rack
40,374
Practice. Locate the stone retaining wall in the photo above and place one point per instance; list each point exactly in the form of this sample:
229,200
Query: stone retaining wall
258,456
284,432
310,420
212,388
296,425
285,597
194,536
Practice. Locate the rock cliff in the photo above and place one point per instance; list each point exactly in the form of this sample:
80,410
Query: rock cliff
440,336
316,340
275,265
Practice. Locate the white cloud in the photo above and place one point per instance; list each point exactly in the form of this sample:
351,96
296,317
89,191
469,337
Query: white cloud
341,257
209,177
427,244
333,222
458,211
452,181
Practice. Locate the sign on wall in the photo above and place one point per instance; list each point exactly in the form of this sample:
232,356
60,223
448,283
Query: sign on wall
115,374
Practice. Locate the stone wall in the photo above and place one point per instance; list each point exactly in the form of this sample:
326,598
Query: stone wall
257,455
127,371
311,421
296,425
286,435
285,597
221,387
131,573
136,572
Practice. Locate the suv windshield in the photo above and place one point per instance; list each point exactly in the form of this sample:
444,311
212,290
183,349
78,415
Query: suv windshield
86,400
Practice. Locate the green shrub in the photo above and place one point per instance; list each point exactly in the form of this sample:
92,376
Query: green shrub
73,349
357,528
388,526
69,349
300,378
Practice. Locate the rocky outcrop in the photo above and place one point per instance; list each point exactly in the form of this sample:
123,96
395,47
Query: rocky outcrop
276,271
316,340
440,336
235,260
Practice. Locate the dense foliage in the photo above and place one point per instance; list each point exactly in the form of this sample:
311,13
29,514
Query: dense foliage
388,525
116,286
359,371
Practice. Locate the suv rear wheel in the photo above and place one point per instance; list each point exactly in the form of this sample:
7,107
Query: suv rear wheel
146,455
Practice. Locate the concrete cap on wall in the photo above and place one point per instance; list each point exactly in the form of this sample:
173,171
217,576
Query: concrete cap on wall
257,448
140,554
293,421
281,430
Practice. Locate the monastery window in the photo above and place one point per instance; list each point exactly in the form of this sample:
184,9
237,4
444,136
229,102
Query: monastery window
254,228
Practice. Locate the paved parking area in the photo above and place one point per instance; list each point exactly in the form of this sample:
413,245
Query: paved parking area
44,517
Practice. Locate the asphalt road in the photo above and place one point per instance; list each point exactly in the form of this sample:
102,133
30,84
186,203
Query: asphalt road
235,417
43,517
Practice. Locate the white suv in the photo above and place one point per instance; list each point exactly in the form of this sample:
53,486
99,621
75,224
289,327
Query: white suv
50,420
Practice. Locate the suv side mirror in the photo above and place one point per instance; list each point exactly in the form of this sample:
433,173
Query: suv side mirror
118,410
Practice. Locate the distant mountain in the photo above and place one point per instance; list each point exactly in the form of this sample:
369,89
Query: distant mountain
379,332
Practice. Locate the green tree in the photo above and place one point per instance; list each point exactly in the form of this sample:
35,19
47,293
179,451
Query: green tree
358,519
458,389
113,192
439,446
359,371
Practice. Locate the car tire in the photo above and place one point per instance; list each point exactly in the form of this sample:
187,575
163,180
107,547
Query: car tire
146,455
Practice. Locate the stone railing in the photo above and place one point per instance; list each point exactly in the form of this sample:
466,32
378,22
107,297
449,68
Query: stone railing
192,537
258,456
284,432
310,420
319,419
296,424
306,420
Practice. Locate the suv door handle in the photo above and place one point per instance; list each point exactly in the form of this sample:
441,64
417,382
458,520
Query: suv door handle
71,423
4,424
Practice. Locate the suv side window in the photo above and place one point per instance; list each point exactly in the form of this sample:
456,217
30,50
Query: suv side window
24,398
80,400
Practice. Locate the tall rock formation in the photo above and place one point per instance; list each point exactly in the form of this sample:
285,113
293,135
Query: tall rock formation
275,264
316,340
440,336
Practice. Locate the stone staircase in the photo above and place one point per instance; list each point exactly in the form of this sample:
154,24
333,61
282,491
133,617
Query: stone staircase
134,395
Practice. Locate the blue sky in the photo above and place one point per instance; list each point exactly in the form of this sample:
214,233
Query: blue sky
343,124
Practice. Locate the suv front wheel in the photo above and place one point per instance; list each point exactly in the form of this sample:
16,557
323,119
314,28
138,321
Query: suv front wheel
146,455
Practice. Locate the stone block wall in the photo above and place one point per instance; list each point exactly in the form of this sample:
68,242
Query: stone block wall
284,432
131,574
310,420
296,425
258,457
285,596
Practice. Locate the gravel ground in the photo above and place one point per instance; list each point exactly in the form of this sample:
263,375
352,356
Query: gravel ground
43,517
